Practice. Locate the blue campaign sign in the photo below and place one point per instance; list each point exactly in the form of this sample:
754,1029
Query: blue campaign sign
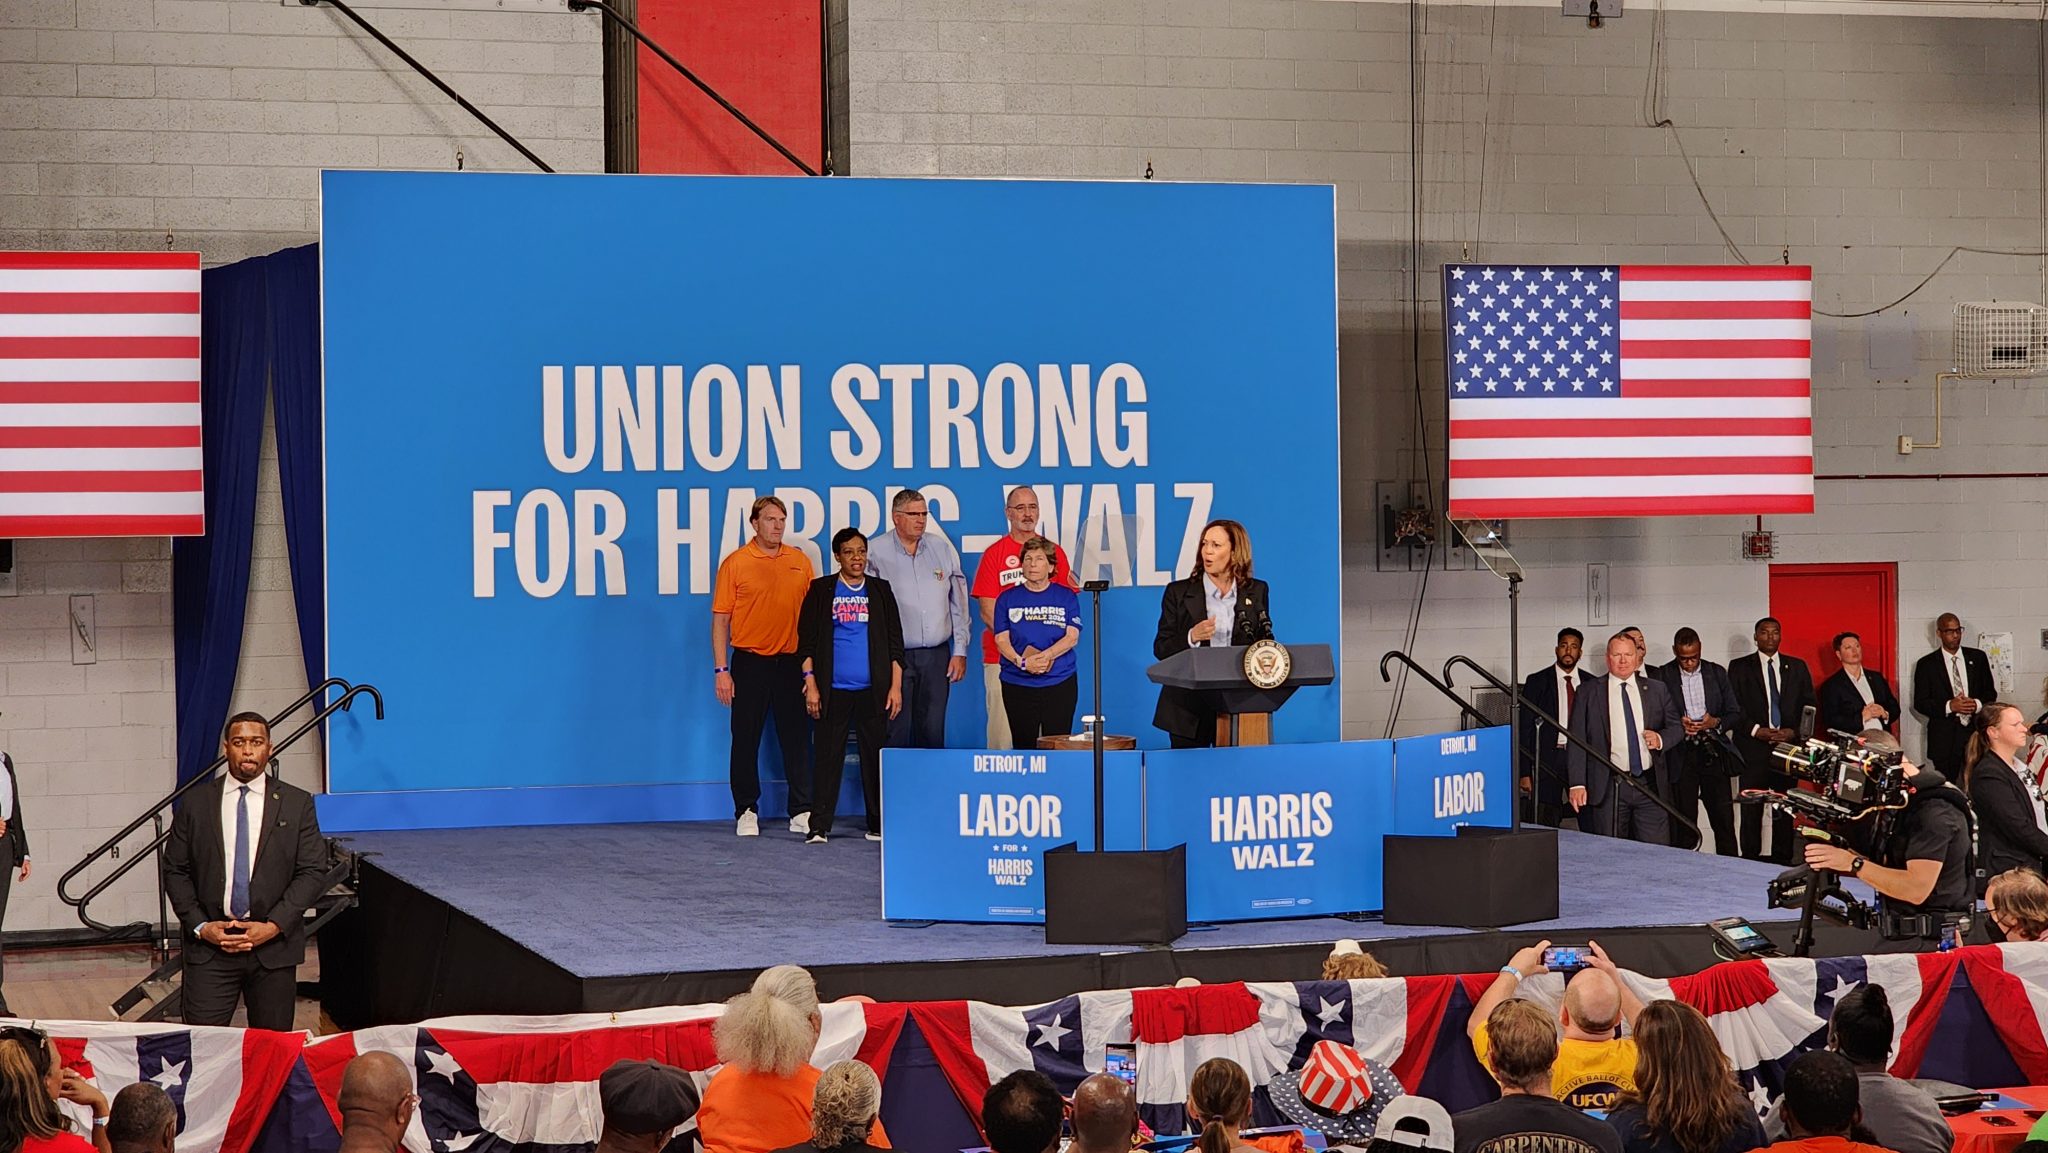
1274,830
1451,779
551,401
968,830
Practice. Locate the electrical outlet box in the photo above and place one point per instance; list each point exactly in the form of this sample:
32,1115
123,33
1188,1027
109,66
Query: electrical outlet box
1905,446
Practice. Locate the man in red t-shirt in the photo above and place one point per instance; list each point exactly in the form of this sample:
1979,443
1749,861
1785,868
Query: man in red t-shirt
998,570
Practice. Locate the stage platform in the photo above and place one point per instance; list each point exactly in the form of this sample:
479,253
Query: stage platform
559,919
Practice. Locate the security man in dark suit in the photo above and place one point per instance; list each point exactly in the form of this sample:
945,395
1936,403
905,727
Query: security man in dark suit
244,860
13,851
1773,689
1703,763
1629,718
1542,764
1219,603
1951,685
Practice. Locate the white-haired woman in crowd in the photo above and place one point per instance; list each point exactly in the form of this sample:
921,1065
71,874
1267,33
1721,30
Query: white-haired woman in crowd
844,1111
760,1100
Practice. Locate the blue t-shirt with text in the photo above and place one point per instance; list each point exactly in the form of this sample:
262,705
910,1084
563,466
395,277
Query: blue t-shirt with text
1038,620
850,636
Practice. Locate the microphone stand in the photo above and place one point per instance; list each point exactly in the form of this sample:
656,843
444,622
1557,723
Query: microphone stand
1095,589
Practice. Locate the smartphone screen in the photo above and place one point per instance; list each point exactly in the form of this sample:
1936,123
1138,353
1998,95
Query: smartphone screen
1121,1062
1562,957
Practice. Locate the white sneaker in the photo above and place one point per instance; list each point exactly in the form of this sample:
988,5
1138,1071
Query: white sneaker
874,836
749,824
801,823
815,839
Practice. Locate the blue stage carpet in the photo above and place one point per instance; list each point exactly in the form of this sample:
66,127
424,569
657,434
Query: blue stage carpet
622,900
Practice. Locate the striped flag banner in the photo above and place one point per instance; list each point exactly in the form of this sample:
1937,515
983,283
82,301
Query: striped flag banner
99,394
1630,390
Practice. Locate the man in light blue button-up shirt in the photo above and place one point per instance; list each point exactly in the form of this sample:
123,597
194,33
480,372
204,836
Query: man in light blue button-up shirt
931,595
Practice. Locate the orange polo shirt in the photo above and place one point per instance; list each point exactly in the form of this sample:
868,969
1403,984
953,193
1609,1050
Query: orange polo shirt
764,595
749,1111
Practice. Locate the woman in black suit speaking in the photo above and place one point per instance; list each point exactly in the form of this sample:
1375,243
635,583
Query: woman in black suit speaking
1217,604
2009,830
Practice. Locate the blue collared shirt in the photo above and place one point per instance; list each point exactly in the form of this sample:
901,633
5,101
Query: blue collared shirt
1222,609
930,588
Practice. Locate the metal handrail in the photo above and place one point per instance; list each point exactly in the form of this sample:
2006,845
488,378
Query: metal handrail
633,30
1439,686
154,812
1592,754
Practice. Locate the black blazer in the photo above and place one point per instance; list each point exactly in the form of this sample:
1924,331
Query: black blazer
1183,605
1841,706
16,840
1721,699
1752,692
284,878
885,634
1540,756
1947,737
1592,724
2007,835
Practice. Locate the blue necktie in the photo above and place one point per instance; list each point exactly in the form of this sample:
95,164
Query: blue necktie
238,896
1635,737
1771,672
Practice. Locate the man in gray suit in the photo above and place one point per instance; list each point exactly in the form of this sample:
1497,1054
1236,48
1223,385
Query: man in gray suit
1630,717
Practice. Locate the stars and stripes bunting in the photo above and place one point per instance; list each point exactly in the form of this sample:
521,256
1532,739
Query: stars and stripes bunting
1628,390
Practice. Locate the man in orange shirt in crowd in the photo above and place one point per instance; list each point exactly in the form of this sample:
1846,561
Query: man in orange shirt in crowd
1001,567
1821,1107
754,610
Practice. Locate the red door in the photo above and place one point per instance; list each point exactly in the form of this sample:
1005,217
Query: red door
1813,602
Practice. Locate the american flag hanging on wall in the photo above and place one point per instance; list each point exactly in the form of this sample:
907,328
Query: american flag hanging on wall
1630,390
99,394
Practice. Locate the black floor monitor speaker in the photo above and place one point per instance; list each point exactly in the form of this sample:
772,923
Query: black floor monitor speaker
1135,898
1479,879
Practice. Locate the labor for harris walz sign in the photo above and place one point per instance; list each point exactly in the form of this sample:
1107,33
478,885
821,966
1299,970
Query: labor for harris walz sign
1446,780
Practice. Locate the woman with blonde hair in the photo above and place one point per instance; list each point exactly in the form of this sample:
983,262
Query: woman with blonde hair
2009,833
844,1110
32,1081
1686,1098
761,1097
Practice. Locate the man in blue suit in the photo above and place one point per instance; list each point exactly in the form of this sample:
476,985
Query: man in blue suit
1630,717
1703,763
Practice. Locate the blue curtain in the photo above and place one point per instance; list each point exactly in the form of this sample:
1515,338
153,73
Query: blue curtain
259,330
295,396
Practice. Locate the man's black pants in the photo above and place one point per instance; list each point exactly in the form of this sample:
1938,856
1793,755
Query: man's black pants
1698,777
1757,774
762,685
859,711
1040,712
1628,814
210,991
922,722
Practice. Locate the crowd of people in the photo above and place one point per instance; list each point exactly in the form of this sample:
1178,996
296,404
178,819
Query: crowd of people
1622,750
1605,1073
872,649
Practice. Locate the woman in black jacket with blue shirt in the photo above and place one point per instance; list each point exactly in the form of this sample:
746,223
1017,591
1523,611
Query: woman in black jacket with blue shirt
2009,832
1217,604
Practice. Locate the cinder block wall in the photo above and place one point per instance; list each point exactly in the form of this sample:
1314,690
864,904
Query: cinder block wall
1866,145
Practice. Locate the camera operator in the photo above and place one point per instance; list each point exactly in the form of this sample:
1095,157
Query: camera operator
1922,873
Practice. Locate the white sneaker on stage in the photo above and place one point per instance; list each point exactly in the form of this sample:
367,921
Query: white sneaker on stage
749,824
815,839
801,823
874,836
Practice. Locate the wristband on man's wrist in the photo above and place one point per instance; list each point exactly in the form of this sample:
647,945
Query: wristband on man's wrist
1512,971
719,669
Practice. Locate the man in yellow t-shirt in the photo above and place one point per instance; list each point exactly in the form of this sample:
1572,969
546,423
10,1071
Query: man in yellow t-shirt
1595,1063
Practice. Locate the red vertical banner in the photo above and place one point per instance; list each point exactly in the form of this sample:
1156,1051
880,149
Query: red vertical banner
765,56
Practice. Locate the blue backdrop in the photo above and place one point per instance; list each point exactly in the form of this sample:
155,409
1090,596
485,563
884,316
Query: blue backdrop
550,400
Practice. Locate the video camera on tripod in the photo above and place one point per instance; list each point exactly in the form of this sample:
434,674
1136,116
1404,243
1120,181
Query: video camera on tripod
1843,783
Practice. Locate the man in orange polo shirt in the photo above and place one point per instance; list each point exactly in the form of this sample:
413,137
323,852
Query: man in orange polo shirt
754,609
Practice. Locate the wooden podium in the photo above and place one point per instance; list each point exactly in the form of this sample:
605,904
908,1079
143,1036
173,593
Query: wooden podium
1244,713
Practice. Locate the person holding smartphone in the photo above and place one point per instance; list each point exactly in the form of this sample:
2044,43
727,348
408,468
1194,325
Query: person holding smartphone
1595,1063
